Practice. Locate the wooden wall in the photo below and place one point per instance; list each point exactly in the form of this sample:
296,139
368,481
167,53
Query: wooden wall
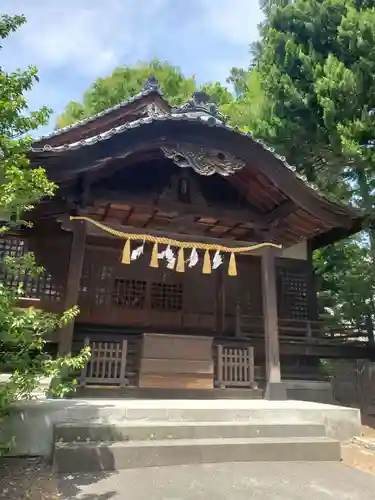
159,299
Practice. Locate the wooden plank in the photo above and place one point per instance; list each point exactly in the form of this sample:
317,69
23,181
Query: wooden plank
182,369
174,366
178,381
176,347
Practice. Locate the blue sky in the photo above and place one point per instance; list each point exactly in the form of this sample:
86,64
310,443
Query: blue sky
75,41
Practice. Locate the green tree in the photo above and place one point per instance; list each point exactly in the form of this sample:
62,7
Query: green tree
316,62
126,81
22,331
345,284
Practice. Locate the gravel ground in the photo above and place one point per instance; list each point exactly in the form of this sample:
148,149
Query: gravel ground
27,479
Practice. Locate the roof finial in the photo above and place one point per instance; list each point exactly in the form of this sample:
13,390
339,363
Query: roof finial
201,102
151,84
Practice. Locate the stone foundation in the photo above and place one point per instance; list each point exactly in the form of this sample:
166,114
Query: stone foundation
309,390
32,423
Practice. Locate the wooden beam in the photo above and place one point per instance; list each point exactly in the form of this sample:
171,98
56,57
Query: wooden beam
150,203
77,254
274,389
92,230
183,223
280,212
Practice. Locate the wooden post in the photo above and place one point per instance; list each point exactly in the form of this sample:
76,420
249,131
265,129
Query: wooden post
219,302
124,353
275,389
251,367
220,366
77,254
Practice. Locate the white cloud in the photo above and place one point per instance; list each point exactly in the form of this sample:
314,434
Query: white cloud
75,41
91,36
233,20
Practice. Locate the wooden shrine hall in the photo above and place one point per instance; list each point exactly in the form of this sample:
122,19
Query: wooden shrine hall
187,246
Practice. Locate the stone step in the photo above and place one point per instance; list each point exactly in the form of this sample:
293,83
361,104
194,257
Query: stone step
94,457
92,392
139,431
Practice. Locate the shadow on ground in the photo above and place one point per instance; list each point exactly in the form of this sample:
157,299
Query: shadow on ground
33,479
70,486
23,478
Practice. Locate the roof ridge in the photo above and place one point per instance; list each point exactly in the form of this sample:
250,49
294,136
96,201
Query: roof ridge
151,86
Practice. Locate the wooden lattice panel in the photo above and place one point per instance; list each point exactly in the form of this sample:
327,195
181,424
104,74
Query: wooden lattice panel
166,296
129,293
97,279
42,286
107,363
292,294
235,366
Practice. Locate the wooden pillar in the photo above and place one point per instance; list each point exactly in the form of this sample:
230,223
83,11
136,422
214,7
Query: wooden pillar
275,389
219,302
77,253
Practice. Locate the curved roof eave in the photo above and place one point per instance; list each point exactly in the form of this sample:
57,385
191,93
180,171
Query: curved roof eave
123,104
174,128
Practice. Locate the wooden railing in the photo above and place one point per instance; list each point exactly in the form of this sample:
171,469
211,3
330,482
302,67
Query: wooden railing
235,367
107,364
300,331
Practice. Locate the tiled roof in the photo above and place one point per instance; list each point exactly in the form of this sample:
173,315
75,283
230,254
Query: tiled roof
194,117
147,90
198,110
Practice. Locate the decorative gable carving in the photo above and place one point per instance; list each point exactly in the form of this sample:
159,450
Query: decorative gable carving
183,188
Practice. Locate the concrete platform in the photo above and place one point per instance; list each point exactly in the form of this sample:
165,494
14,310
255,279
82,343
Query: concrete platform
32,423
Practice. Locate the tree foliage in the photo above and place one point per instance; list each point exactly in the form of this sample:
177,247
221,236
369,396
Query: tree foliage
126,81
316,62
22,331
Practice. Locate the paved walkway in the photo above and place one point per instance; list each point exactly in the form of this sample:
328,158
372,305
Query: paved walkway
261,481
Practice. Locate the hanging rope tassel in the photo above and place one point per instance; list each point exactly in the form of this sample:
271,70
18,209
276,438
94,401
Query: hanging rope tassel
154,256
180,268
125,259
232,268
207,269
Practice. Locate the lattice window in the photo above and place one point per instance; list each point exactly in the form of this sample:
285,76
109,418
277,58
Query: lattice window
96,282
12,247
293,295
33,286
166,297
129,293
